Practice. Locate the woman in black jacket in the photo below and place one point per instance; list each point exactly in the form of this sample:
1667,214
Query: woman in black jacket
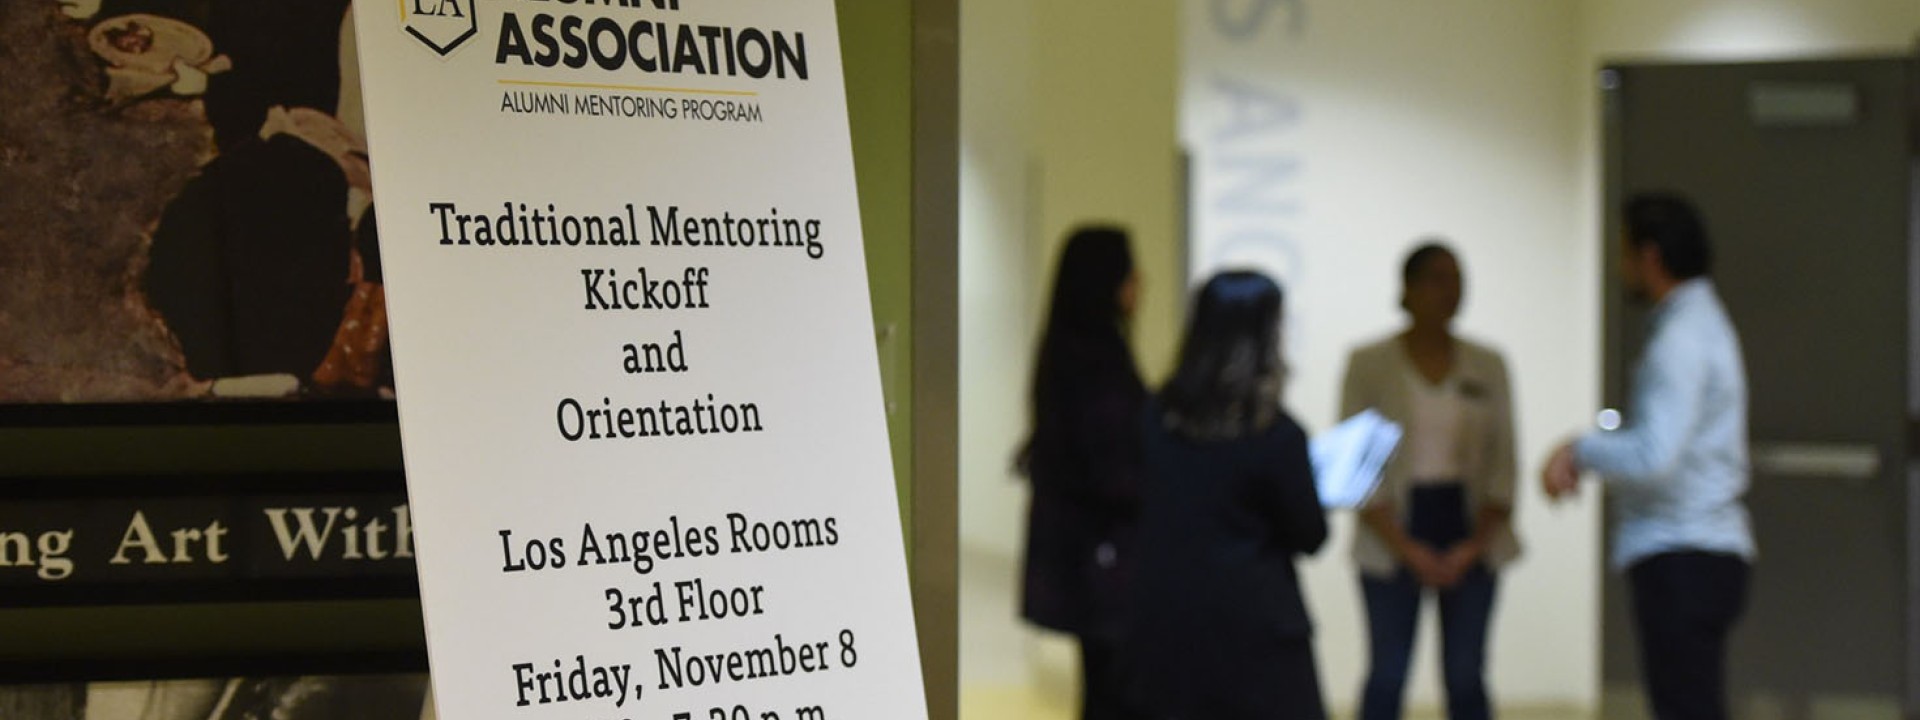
1220,629
1082,460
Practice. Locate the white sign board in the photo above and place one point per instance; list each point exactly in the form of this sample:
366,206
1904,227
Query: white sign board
638,389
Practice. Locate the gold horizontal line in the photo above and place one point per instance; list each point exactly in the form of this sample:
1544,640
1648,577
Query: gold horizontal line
633,88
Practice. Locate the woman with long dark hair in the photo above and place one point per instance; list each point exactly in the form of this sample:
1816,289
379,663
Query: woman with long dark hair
1082,461
1220,629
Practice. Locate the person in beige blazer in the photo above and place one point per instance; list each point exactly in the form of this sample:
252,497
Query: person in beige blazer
1440,523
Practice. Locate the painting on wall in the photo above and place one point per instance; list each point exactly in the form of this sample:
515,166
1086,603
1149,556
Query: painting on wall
188,231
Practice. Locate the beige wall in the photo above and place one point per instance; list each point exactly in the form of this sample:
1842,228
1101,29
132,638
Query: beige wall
1067,115
1105,148
1350,131
1000,271
1472,118
1727,30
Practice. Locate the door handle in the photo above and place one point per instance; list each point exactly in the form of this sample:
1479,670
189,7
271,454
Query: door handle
1835,461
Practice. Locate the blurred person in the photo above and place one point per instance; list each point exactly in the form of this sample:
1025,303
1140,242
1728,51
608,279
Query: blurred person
1083,463
1220,628
1441,522
1676,471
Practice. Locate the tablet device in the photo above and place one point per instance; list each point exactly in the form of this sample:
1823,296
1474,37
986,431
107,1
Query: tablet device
1349,460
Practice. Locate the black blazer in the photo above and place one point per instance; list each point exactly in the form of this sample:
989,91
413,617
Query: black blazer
1084,465
1218,611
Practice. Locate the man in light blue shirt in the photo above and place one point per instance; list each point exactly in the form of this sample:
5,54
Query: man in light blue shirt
1677,469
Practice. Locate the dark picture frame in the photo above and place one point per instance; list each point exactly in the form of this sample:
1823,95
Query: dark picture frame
93,541
188,412
311,689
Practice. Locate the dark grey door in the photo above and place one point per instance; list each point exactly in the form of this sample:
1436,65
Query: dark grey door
1804,172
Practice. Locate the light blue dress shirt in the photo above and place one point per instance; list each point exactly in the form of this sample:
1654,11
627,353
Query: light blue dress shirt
1677,469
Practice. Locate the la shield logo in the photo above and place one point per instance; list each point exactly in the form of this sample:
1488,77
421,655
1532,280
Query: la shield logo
441,25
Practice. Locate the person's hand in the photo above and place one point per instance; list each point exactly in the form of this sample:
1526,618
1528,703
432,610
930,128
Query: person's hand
1428,568
1459,561
1561,476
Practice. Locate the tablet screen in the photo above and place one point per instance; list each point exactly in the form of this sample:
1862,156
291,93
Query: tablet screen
1349,459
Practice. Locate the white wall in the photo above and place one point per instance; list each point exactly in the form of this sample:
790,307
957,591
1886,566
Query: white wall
1328,141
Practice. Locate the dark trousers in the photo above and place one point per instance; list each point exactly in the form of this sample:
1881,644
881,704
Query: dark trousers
1437,518
1103,689
1685,605
1287,687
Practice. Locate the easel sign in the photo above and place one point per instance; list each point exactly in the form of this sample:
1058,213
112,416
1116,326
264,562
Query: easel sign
634,359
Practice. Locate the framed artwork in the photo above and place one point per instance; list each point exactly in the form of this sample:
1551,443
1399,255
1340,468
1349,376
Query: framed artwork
187,237
187,233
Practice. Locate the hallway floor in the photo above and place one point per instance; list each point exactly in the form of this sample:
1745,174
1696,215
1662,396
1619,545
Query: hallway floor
995,704
1011,672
